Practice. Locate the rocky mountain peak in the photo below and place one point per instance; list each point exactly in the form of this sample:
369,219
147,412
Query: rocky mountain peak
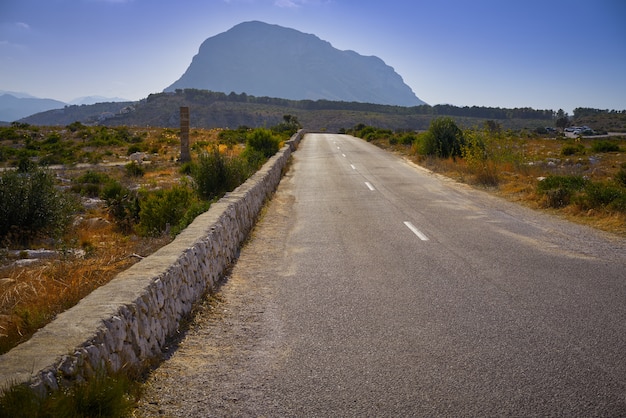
260,59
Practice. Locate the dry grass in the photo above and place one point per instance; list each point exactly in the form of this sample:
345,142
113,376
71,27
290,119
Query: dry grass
31,295
517,182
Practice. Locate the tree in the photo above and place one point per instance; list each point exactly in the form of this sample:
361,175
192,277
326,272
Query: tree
290,125
562,119
443,139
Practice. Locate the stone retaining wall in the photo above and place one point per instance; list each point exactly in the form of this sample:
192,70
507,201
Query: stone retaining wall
127,321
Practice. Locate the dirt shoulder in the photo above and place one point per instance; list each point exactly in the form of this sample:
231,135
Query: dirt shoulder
206,372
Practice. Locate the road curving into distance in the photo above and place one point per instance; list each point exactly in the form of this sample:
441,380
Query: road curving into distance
372,287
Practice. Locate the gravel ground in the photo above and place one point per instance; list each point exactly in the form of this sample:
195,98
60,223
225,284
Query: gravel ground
207,372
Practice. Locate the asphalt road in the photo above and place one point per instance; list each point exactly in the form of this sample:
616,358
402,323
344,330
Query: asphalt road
374,288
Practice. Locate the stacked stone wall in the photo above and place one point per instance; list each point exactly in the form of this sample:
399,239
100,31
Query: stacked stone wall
128,321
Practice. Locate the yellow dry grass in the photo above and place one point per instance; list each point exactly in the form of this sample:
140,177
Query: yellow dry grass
518,182
32,295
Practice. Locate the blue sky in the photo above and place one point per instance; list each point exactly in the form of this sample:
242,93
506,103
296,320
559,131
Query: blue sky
545,54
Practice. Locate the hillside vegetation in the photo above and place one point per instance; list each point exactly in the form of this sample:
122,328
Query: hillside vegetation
218,110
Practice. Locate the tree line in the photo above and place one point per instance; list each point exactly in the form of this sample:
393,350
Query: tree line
196,95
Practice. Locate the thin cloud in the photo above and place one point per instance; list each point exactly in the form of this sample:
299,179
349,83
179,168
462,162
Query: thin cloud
294,4
22,25
290,4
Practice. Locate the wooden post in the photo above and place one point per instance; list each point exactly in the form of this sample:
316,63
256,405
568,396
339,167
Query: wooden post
185,156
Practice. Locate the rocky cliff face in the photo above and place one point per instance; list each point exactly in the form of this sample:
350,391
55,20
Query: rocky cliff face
269,60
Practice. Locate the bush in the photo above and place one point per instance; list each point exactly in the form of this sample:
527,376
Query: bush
558,190
570,149
90,184
262,140
102,396
604,195
407,139
604,146
134,170
253,158
479,161
30,205
210,174
232,137
443,139
133,149
122,204
163,209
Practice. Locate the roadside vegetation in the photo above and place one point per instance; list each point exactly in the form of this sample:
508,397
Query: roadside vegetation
103,396
92,201
78,204
580,178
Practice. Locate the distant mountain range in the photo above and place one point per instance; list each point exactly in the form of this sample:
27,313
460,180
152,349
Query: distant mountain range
260,59
18,105
13,108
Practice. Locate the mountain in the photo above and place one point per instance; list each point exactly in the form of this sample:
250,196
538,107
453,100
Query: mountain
13,108
18,94
260,59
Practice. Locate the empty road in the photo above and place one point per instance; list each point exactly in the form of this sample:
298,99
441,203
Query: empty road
371,287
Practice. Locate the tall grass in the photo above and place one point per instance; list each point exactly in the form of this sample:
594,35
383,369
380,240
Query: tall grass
31,298
102,396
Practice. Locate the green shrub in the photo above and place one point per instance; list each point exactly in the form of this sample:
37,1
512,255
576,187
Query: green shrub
604,146
238,169
233,137
407,139
253,158
210,174
75,126
570,149
603,195
31,205
90,184
122,205
163,209
93,177
133,149
443,139
186,168
10,134
215,174
196,208
102,396
479,160
134,170
264,141
558,190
